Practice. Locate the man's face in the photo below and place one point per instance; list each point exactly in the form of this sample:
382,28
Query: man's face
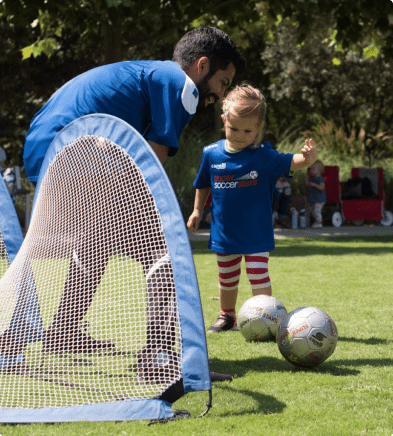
212,89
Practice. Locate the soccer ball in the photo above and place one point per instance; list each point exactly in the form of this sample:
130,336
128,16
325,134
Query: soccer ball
307,336
259,317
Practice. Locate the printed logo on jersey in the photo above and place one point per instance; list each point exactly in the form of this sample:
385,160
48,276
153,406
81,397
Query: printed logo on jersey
221,166
250,176
229,182
189,96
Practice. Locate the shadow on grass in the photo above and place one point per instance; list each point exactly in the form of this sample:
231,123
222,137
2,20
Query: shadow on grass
368,341
334,246
266,404
337,368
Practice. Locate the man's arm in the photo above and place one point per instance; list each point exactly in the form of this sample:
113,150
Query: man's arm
160,150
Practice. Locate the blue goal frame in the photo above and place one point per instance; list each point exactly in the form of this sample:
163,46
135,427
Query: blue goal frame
195,364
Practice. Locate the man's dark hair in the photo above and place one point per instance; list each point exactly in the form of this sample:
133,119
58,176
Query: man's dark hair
212,43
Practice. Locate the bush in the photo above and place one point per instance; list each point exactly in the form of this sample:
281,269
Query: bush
335,139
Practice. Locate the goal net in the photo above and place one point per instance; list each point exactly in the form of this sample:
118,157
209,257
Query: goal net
100,311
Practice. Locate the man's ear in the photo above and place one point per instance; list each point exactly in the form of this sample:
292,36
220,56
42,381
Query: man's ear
199,69
223,118
202,65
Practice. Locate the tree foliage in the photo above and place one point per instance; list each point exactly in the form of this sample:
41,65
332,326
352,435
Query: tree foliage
291,48
320,77
46,42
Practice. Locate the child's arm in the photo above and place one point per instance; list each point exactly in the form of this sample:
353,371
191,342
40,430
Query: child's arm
308,156
319,186
196,216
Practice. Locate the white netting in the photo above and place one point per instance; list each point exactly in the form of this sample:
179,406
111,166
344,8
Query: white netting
96,263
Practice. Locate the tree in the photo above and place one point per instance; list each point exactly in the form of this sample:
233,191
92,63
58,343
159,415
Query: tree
59,40
26,83
45,43
319,79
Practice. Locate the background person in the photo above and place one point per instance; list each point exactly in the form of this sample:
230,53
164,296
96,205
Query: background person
316,196
281,200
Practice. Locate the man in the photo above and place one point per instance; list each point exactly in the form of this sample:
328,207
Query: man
158,99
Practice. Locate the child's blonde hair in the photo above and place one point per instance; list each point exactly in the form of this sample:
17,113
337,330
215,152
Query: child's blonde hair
318,163
246,101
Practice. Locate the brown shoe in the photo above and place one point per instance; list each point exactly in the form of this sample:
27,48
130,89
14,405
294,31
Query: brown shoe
59,341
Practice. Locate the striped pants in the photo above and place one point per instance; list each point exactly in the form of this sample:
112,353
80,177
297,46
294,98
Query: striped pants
229,270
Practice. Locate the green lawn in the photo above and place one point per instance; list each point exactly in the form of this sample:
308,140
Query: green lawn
349,394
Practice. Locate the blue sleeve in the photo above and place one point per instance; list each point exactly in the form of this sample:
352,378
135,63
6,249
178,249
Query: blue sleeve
279,163
173,99
203,179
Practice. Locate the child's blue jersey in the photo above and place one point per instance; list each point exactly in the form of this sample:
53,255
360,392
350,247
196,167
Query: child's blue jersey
242,186
156,98
314,194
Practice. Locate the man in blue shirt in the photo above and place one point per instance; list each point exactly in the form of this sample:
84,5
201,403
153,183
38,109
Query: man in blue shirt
157,98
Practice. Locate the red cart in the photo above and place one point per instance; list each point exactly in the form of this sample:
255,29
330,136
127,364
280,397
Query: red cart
351,208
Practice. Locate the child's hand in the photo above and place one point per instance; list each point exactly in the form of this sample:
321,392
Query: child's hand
309,152
194,221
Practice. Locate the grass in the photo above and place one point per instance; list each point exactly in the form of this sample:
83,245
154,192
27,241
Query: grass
349,394
102,376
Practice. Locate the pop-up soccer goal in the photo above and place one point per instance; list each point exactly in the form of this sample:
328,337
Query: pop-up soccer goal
101,316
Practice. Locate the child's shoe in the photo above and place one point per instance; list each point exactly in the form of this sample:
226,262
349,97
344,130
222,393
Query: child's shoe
223,323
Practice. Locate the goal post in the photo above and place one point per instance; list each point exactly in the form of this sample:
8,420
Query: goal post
103,292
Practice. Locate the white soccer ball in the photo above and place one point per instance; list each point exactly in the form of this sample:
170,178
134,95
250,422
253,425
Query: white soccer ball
307,336
259,317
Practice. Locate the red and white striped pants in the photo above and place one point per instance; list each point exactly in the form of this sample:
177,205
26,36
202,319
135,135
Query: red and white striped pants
256,267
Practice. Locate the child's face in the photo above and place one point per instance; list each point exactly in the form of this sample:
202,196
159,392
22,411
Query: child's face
315,170
240,131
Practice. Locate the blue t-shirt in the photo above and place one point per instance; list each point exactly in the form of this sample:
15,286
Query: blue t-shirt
314,194
156,98
242,186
